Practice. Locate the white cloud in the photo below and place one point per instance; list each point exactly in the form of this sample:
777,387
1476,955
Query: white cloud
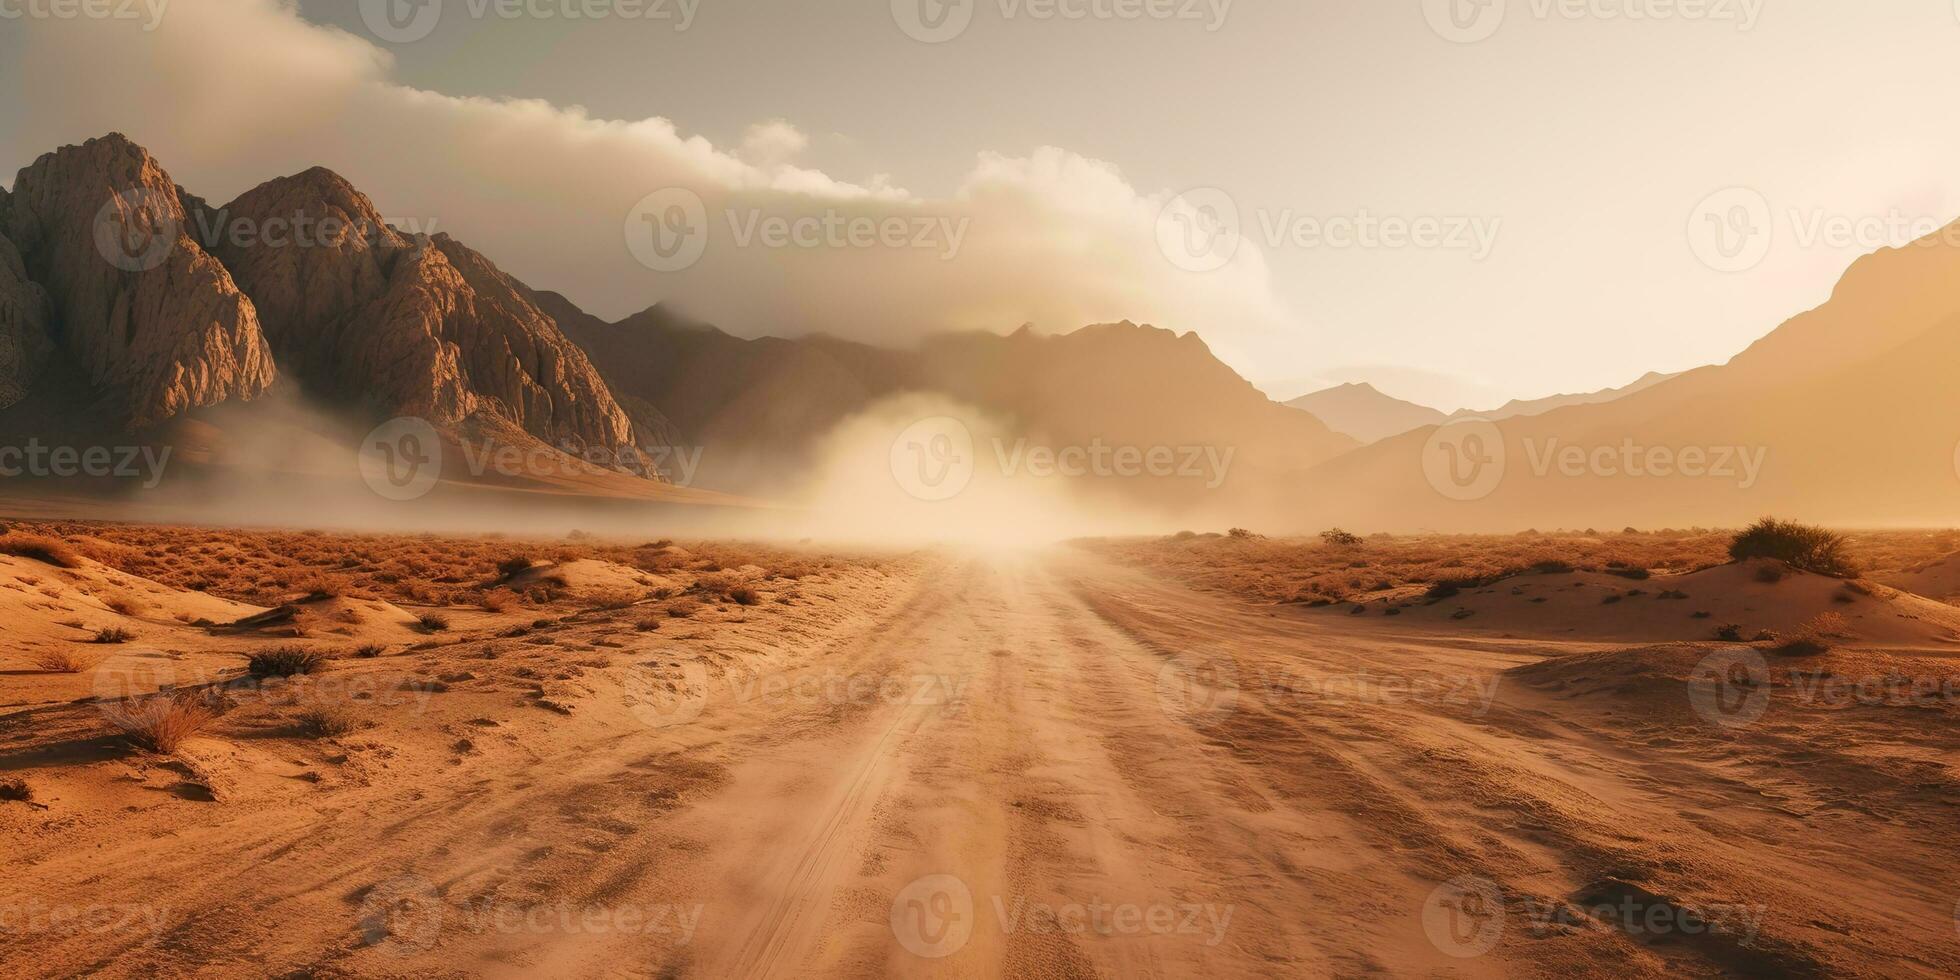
229,93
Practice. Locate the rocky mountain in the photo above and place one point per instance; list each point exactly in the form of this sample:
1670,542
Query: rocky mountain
147,316
1361,411
1844,415
419,325
1539,406
129,305
24,341
763,405
1364,412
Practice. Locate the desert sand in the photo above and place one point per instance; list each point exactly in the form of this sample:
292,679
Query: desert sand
729,761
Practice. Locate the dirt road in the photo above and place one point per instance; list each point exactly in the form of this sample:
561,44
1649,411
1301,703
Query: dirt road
1042,765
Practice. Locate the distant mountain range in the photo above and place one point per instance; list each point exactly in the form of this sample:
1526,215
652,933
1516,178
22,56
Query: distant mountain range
128,304
1846,414
1363,412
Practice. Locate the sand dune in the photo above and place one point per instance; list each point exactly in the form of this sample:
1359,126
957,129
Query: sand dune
1752,596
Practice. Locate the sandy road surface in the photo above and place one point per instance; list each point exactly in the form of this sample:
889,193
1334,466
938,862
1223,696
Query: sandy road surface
1046,766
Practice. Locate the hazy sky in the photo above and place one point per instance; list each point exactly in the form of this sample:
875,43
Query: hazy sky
1576,143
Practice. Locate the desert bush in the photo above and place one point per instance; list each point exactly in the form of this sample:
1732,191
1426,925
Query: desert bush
123,603
161,724
433,622
16,790
286,662
514,565
1819,635
1240,534
369,651
1731,633
647,625
113,634
1340,538
327,720
611,599
41,548
1812,549
683,609
61,662
745,596
498,600
321,585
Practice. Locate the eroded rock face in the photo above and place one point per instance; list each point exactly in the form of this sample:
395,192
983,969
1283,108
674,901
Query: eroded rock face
24,343
411,325
146,314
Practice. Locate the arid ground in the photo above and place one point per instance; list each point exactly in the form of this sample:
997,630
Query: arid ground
1194,756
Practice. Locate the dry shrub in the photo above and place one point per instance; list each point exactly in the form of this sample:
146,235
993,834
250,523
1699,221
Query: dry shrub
160,724
1820,635
321,585
684,609
16,790
286,662
123,603
745,596
41,548
498,600
327,720
113,634
62,662
611,599
433,622
1812,549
